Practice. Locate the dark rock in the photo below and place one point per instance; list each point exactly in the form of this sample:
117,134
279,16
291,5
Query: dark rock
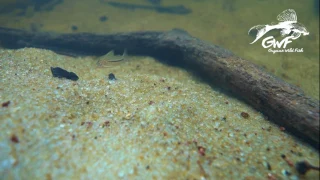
61,73
6,104
112,77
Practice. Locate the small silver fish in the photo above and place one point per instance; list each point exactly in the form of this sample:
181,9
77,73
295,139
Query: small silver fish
110,57
287,23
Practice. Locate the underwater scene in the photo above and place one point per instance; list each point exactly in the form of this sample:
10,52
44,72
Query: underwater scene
159,89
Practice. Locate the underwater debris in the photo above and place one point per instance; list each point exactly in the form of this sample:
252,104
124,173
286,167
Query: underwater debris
288,161
245,115
282,128
105,124
89,124
201,150
179,9
6,104
268,166
14,138
61,73
285,172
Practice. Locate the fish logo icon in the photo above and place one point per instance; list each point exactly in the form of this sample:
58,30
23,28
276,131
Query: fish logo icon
288,24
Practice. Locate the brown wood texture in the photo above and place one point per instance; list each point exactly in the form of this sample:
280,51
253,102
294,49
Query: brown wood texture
282,103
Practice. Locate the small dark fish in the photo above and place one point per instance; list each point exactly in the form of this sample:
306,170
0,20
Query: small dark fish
61,73
110,57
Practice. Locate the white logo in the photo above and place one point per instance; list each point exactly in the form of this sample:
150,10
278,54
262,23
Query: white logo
290,29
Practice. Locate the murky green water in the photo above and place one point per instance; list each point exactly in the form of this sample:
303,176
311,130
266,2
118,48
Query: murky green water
161,119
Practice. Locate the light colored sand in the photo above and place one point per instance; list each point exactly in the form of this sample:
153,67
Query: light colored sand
59,124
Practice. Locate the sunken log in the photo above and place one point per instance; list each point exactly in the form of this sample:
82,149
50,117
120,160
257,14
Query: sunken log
282,103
